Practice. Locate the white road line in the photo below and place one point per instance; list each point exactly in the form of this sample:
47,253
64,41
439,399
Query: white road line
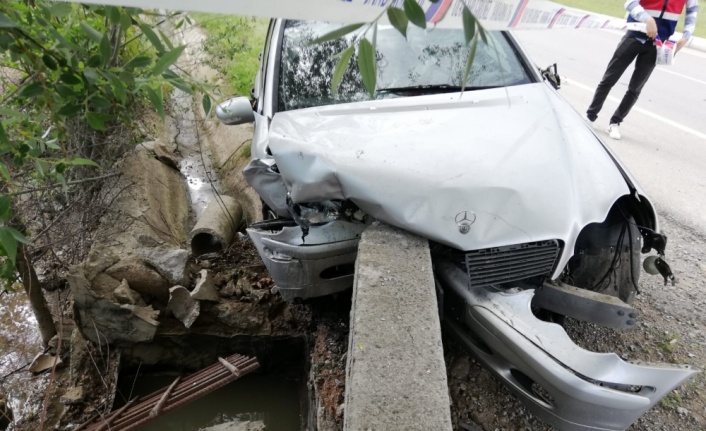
643,111
666,70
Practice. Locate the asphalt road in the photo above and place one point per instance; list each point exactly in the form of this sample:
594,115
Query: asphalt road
664,137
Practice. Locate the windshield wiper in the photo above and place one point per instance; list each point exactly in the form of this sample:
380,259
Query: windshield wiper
432,89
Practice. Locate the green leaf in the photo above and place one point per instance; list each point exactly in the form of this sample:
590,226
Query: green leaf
33,89
415,13
483,36
96,121
166,40
179,83
156,100
106,51
9,243
118,86
152,37
49,62
41,167
64,91
100,102
167,59
5,173
469,24
52,144
333,35
125,21
7,112
60,10
367,66
60,178
91,76
83,162
139,61
69,78
5,22
398,19
19,237
341,68
5,203
3,138
469,63
70,109
206,102
91,32
114,14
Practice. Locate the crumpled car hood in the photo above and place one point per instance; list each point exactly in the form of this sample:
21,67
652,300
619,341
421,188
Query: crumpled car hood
520,159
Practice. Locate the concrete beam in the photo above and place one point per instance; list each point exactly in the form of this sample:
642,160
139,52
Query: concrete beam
396,376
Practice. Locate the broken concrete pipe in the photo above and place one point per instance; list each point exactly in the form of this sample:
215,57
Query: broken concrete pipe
216,227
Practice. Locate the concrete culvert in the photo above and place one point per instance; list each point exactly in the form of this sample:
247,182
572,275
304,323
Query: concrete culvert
217,226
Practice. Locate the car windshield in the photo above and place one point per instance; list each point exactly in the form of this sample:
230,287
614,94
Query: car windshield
427,62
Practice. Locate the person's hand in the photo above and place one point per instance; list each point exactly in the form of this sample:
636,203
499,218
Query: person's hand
681,44
651,28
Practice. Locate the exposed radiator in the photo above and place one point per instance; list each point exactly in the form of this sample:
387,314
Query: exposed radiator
511,263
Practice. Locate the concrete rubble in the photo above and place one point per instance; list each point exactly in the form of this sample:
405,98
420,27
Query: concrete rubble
183,305
205,290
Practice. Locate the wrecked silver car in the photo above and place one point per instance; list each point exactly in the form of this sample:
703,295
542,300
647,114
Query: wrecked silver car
530,216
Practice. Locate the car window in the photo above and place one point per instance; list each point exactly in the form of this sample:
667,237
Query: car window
435,57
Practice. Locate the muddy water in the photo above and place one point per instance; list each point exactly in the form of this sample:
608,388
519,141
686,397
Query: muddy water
256,397
19,338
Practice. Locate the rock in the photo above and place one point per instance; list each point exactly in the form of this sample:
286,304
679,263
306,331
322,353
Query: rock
682,411
183,306
103,321
166,155
461,367
205,264
43,362
238,426
124,295
220,279
99,258
259,296
205,289
73,395
140,277
105,285
171,263
242,316
229,289
148,314
243,287
340,410
147,241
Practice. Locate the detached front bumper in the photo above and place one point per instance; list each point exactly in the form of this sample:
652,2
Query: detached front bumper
561,383
318,265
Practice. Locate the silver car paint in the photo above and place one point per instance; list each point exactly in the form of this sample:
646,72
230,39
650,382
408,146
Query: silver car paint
587,390
525,165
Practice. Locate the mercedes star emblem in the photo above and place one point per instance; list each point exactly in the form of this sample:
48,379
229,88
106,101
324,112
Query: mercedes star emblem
464,220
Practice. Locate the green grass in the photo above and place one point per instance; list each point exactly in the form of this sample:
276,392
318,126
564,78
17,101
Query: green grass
615,8
234,44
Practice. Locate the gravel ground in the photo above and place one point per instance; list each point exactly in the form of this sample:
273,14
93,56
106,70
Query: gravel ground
672,328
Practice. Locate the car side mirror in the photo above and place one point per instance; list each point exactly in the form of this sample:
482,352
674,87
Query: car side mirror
551,75
235,111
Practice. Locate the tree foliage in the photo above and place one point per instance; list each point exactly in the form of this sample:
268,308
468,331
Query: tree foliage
65,66
400,18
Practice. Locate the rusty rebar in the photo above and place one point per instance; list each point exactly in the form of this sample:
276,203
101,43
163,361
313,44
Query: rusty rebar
179,393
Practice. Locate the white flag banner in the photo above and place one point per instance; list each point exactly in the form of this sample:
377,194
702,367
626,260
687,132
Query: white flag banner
493,14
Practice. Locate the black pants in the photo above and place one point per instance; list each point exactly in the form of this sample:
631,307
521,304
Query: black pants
628,50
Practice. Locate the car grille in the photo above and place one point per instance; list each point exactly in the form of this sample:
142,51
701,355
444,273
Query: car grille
511,263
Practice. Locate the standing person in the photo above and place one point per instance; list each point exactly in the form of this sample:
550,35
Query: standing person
660,18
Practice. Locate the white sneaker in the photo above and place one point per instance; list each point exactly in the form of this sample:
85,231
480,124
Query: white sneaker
614,131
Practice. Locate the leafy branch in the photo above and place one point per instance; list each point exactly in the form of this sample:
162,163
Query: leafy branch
399,18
